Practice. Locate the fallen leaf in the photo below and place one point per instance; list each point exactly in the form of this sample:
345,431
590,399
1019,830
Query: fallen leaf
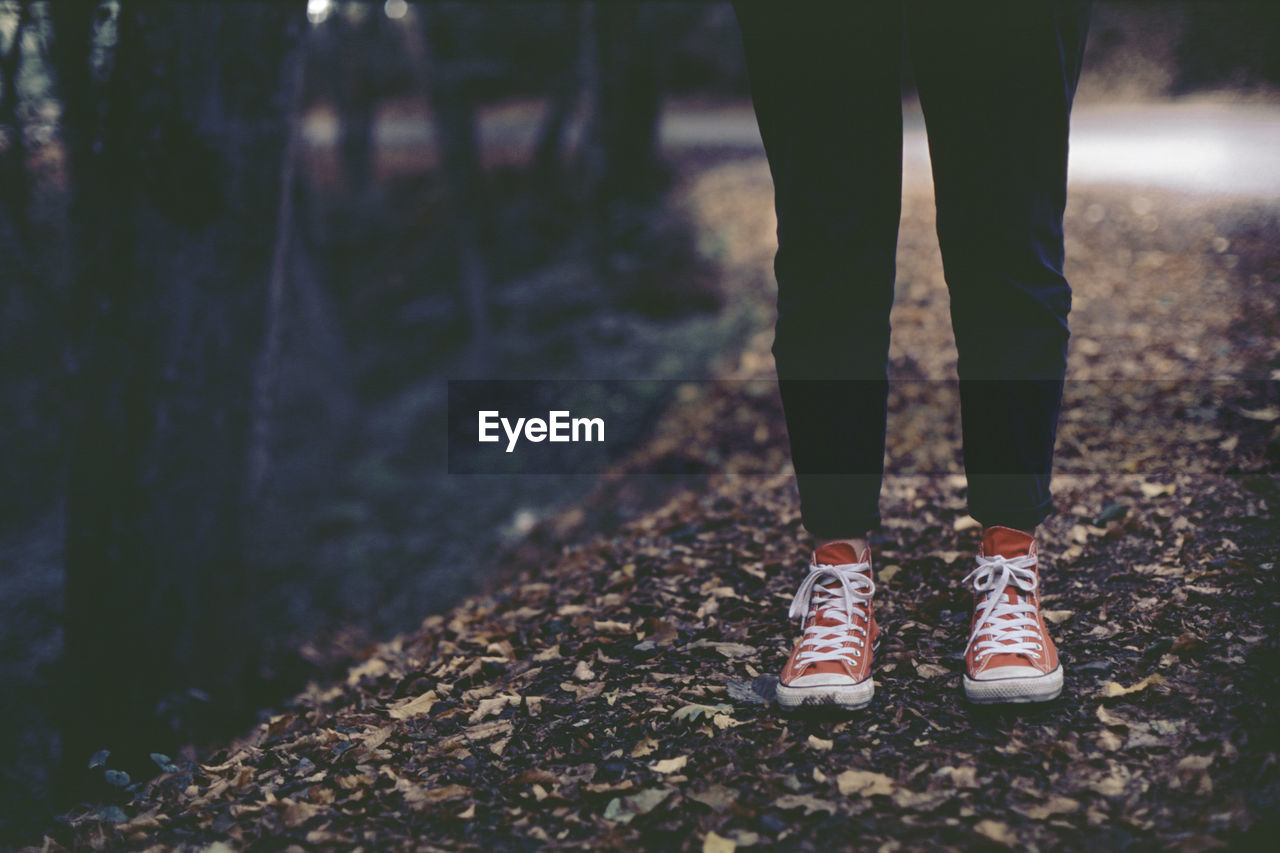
961,777
1057,617
716,797
1155,490
372,668
809,803
864,783
414,707
1054,805
644,747
419,798
931,670
1111,689
729,650
377,737
624,809
716,844
1111,512
297,813
695,710
997,831
820,744
1268,413
670,765
489,707
552,653
1109,740
582,672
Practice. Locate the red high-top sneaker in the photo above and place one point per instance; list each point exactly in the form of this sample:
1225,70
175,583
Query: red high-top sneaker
831,665
1010,657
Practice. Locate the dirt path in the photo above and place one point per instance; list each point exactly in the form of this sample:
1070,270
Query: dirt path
614,687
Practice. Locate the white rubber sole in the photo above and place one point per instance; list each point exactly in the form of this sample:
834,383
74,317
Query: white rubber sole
847,696
997,691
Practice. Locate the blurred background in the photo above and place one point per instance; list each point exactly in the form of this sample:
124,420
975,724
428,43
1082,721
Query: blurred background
243,247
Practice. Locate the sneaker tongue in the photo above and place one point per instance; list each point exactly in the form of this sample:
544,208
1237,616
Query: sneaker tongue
1006,542
835,554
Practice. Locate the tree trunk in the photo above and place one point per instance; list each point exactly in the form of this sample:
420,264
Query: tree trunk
453,115
621,67
177,151
15,185
545,161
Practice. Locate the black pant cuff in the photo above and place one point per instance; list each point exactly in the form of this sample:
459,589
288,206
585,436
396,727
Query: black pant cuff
1019,519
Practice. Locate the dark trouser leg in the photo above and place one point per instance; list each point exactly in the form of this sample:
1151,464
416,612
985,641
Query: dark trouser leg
996,81
825,83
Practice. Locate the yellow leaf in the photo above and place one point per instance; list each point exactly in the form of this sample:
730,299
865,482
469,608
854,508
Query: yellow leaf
670,765
718,844
820,744
997,831
1057,617
644,747
1111,689
864,783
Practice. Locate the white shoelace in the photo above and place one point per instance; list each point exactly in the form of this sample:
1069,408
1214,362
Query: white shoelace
1010,627
847,602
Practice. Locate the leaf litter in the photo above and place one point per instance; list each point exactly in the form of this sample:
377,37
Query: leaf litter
593,698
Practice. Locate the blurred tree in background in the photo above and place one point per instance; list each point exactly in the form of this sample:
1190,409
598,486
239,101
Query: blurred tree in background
181,178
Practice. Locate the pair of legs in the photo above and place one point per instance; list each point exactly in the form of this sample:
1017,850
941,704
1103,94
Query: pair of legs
996,81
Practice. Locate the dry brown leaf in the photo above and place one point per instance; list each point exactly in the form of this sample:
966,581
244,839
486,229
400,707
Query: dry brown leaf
931,670
644,747
809,803
715,797
413,707
1109,719
1055,805
372,668
864,783
489,707
1112,689
670,765
820,744
419,797
717,844
997,831
297,813
552,653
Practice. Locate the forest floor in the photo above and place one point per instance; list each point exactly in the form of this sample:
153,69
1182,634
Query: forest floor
613,686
